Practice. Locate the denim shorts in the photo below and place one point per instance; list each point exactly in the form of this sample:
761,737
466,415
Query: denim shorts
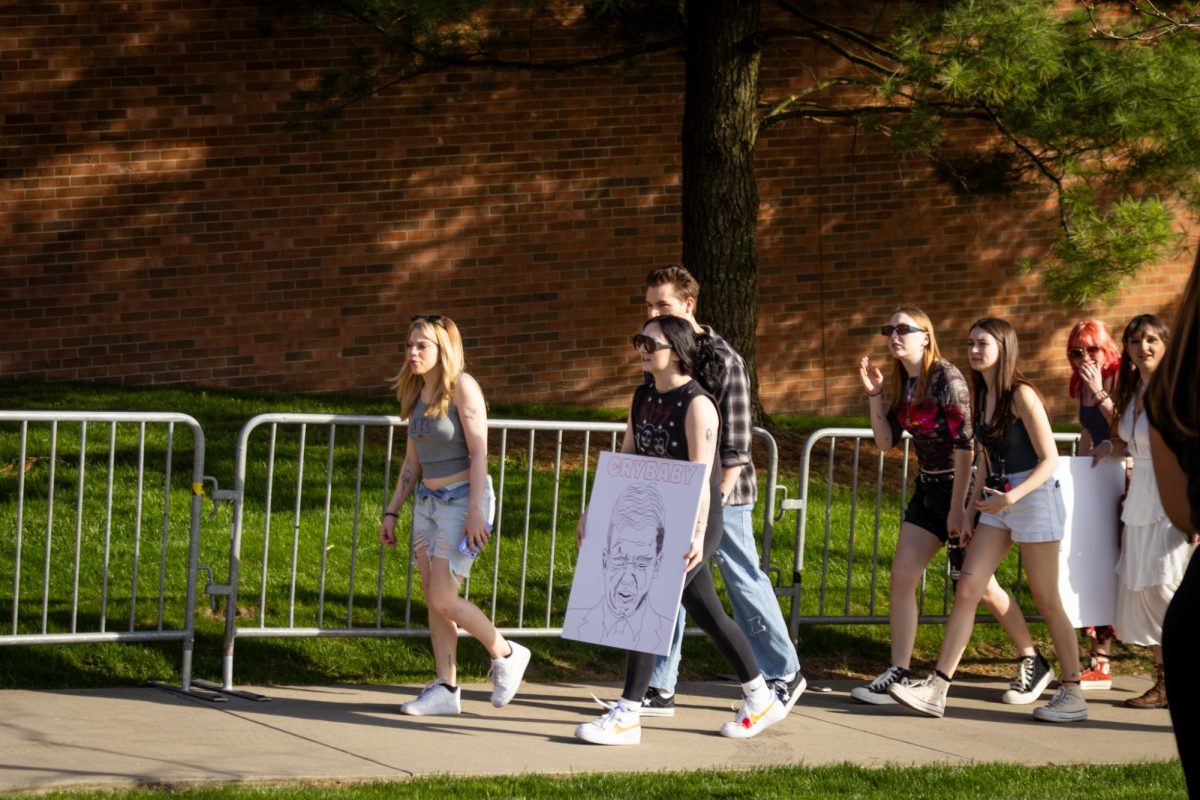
1039,516
440,522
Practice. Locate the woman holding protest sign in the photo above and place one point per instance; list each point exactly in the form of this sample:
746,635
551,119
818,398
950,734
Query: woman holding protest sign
1095,359
675,417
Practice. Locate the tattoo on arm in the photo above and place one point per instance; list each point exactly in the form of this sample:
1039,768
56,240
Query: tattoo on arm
405,480
709,435
470,412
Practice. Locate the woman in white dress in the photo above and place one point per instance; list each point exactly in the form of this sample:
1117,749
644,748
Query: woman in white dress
1154,553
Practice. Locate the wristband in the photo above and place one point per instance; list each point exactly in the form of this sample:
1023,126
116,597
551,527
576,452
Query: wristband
875,394
391,514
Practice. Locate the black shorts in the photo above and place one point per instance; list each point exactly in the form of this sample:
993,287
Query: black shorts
930,504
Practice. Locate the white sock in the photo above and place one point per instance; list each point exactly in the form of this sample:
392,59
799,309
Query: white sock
634,706
787,678
758,695
664,694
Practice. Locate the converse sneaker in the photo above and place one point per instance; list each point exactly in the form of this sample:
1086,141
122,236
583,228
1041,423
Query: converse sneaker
1097,677
615,726
1032,678
436,699
789,692
655,705
506,674
748,723
926,696
876,692
1067,705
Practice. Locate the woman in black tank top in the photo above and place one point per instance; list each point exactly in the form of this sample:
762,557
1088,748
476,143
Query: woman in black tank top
1023,507
676,418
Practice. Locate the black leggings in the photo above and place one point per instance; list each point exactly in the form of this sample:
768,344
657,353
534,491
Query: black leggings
1177,641
704,607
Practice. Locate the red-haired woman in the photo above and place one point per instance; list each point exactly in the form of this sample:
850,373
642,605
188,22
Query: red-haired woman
1095,359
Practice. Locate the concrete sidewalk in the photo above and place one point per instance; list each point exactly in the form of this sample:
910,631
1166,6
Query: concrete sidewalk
128,737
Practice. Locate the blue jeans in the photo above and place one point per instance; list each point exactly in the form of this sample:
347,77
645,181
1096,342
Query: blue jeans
755,606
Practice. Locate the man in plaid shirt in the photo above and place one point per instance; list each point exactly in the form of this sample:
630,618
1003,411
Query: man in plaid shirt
673,291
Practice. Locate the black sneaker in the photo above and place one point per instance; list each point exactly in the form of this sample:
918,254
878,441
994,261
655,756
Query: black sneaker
655,705
789,692
876,692
1032,678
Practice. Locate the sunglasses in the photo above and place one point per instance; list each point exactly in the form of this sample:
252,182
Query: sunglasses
1077,352
433,319
648,345
903,329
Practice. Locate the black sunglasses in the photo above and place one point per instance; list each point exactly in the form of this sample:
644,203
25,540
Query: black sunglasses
433,319
646,344
1077,352
903,329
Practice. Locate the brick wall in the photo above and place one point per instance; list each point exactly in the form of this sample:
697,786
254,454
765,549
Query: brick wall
162,224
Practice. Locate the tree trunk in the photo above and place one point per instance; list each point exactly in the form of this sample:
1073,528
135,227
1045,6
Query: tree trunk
720,197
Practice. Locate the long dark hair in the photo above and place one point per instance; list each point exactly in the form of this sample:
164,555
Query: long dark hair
1173,395
993,433
1128,376
697,357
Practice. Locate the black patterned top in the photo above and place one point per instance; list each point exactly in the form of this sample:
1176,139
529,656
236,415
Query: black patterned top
940,422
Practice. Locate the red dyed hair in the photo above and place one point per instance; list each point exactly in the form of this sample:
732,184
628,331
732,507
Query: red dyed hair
1093,333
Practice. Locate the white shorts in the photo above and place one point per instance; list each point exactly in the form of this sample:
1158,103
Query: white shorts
1039,516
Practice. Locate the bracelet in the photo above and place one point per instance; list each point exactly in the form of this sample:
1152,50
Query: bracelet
391,514
875,394
1101,396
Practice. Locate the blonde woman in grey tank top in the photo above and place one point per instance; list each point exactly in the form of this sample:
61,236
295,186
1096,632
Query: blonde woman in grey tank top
446,470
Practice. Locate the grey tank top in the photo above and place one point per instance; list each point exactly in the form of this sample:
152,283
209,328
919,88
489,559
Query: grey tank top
440,442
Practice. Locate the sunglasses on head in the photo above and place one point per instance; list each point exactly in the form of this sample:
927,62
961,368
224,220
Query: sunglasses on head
646,344
433,319
903,329
1077,352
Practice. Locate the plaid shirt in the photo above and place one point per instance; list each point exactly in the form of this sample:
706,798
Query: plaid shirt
733,401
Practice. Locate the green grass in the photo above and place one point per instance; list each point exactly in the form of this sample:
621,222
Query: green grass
829,651
993,781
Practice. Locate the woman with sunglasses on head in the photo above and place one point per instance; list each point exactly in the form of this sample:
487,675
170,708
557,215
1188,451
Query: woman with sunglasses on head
930,400
1154,553
1020,501
1094,358
445,465
675,417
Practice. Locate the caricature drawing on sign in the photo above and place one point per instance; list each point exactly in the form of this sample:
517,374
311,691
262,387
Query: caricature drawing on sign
632,556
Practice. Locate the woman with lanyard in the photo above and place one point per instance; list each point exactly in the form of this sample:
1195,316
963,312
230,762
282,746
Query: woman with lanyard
445,467
1094,358
1154,553
1020,502
930,401
675,417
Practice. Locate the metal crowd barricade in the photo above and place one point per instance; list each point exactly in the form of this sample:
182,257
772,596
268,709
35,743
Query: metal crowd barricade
118,563
843,593
304,531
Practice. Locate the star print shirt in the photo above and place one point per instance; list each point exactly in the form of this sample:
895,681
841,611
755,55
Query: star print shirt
940,422
658,420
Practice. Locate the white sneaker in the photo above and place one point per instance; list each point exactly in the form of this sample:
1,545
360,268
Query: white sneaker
436,699
876,692
507,674
748,723
926,696
1067,705
615,726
